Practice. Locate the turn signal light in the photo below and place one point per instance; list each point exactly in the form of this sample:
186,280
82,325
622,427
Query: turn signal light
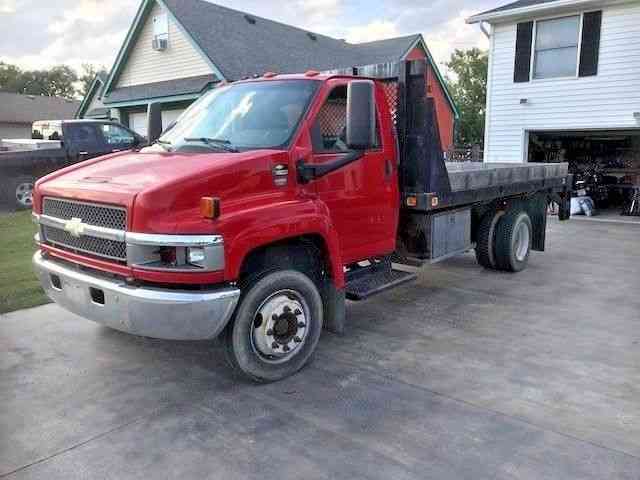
210,207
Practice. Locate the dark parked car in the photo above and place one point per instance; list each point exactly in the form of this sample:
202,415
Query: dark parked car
54,145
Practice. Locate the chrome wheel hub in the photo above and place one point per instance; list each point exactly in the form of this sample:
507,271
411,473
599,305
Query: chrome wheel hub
24,194
522,239
280,326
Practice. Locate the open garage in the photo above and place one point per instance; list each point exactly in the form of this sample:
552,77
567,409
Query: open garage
605,165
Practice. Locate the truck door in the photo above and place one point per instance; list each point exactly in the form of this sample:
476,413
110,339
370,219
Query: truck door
362,197
82,141
117,138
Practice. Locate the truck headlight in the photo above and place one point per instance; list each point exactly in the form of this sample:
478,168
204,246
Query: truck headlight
175,252
196,256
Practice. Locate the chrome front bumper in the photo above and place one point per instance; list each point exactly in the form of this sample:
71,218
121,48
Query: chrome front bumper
149,312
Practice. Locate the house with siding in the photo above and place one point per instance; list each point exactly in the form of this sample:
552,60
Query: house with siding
564,83
176,50
18,112
92,105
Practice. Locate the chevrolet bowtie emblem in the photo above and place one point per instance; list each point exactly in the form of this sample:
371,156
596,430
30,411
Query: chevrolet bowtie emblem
74,227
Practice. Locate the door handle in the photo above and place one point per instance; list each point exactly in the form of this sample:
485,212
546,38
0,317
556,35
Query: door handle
388,168
83,153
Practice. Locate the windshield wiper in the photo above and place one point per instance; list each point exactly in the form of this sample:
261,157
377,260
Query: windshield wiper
165,144
218,143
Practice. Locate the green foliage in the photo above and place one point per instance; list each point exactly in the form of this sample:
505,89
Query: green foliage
19,287
89,73
469,90
60,81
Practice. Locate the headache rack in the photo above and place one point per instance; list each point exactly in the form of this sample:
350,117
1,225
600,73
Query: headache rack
429,183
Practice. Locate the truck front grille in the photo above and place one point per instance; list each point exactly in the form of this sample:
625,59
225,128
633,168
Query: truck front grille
90,213
105,216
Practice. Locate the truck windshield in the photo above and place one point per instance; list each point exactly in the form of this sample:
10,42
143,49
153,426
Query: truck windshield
254,115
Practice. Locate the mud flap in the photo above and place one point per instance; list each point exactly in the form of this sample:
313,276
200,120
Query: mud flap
334,305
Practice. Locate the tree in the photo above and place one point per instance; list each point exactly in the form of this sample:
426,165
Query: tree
10,78
89,73
56,82
469,90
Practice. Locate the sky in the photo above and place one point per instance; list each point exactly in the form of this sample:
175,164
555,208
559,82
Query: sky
44,33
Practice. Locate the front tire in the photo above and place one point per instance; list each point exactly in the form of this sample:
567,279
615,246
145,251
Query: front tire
20,192
276,327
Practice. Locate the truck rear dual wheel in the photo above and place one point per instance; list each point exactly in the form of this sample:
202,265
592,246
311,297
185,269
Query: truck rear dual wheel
485,244
276,327
513,241
504,240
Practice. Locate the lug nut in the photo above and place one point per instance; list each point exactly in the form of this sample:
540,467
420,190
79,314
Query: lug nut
270,332
285,348
297,339
275,345
301,324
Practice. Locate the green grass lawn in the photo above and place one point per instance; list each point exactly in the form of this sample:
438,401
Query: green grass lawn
19,287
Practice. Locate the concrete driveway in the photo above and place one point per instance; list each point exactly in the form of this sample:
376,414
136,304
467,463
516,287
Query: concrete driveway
467,374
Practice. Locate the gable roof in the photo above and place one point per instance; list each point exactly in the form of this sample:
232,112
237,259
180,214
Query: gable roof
190,87
518,4
19,109
523,7
239,45
96,88
242,45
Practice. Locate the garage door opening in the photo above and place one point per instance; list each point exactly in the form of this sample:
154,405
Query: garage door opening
605,165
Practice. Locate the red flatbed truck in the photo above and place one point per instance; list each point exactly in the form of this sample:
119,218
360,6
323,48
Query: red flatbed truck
268,203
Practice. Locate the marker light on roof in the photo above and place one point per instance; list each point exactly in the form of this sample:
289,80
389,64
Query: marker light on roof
311,73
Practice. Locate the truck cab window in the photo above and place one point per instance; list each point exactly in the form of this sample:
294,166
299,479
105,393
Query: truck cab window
47,131
115,135
330,129
83,135
329,132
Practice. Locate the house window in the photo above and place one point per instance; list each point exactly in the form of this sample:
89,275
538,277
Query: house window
161,27
556,47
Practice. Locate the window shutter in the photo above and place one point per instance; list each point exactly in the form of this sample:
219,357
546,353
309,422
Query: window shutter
590,51
524,39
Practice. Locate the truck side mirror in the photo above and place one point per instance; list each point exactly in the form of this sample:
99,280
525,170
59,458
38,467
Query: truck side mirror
361,115
154,122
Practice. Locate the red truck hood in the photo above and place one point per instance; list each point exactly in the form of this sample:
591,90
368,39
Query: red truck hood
165,187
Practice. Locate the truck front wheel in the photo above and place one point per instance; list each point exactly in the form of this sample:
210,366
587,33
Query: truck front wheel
276,327
513,241
20,191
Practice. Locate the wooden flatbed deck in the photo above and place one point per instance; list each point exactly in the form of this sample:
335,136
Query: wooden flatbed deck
475,176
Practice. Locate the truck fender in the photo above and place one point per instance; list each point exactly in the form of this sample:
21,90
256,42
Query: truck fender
281,230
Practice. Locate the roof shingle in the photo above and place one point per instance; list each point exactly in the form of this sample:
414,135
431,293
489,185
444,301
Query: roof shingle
17,108
181,86
240,48
514,5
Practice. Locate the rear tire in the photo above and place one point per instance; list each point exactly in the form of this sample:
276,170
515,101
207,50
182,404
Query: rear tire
485,241
276,327
513,241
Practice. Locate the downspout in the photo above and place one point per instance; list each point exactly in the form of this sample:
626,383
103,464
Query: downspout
484,30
